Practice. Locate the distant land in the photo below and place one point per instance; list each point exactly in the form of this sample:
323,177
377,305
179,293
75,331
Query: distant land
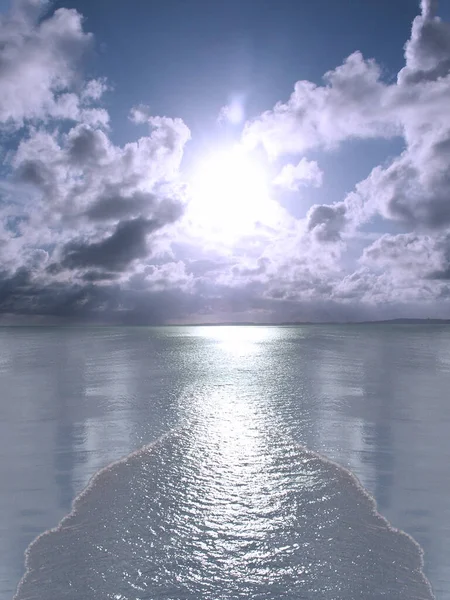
402,321
72,324
410,322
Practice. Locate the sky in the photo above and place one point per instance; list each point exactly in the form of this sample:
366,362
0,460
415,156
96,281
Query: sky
165,161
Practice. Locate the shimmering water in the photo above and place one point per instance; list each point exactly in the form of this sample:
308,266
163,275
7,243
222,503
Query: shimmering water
227,501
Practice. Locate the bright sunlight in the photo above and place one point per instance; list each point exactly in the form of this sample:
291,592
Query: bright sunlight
230,193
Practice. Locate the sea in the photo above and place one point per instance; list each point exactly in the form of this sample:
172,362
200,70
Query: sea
225,462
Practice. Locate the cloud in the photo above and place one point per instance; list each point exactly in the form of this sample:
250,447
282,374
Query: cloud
353,103
140,114
427,52
412,189
261,268
411,255
356,103
415,187
94,205
327,222
92,229
79,215
115,252
39,60
115,207
234,112
81,173
306,172
168,276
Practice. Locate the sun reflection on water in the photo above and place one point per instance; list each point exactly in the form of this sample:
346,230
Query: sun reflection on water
227,506
237,340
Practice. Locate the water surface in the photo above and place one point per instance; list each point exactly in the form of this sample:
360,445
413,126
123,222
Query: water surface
373,399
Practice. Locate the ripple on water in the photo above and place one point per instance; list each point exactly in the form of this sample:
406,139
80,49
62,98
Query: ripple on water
199,516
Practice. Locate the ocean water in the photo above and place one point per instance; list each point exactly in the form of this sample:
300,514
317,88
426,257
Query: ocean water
225,462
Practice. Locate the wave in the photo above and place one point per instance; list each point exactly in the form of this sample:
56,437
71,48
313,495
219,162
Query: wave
196,515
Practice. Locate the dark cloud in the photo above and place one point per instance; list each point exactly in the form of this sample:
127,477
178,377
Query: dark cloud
107,303
442,274
10,286
127,243
112,206
93,276
411,265
87,146
36,173
327,222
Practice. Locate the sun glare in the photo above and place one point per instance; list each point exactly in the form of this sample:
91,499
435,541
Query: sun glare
230,192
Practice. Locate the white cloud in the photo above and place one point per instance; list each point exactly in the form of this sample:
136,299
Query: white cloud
234,112
90,197
411,256
354,102
427,52
163,277
89,225
414,188
73,171
293,177
39,62
140,114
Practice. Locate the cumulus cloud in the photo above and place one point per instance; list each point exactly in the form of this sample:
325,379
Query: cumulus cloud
79,214
167,276
306,172
353,103
427,52
93,229
82,173
115,252
234,112
413,189
356,103
411,255
97,204
39,59
326,222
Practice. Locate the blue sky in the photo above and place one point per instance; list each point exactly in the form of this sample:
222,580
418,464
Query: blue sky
188,59
172,161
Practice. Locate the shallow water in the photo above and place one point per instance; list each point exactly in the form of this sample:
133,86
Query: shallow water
233,486
213,512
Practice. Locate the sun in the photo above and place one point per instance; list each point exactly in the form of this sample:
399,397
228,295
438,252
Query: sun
230,192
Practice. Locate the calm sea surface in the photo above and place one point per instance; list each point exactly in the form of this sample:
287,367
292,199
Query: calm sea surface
226,496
